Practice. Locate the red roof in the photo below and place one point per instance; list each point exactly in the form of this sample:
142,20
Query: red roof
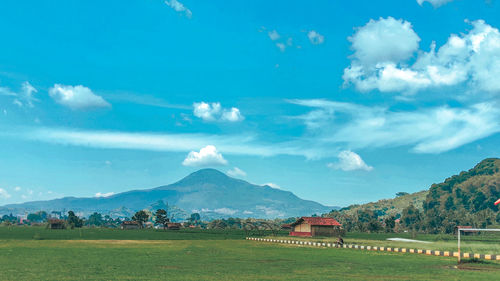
318,221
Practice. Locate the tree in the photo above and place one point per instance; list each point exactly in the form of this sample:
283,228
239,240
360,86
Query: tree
161,217
195,217
401,193
40,216
95,219
390,223
141,217
73,220
374,225
411,218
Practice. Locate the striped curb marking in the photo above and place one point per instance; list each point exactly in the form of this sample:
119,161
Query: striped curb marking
375,248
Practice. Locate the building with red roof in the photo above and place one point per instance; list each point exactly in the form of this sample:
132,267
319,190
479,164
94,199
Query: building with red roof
316,226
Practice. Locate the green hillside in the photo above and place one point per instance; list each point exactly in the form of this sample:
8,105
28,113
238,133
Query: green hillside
464,199
389,207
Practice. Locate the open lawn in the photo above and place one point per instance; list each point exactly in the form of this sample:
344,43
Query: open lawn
218,260
34,253
42,233
488,243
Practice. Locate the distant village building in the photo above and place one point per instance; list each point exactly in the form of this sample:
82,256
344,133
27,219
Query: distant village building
316,226
56,224
173,225
286,226
130,225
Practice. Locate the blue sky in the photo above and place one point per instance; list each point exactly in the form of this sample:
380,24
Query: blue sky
340,102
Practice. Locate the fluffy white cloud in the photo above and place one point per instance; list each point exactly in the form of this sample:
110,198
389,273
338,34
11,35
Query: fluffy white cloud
208,156
207,111
17,188
211,112
179,7
427,130
435,3
99,194
4,194
232,115
470,59
236,173
384,40
76,97
315,37
350,161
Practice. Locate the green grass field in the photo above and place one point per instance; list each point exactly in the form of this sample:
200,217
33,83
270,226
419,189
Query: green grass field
483,244
61,255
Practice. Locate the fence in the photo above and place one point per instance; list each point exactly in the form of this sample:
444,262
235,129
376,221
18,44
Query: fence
376,248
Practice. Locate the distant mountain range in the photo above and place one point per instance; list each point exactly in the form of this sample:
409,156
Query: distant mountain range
209,192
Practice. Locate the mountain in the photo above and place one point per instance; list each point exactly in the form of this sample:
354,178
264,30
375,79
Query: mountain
209,192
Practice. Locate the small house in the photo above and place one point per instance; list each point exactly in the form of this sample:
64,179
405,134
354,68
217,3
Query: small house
316,226
130,225
463,227
286,226
173,225
56,224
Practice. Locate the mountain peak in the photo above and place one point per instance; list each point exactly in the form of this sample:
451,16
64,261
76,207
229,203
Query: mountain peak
208,175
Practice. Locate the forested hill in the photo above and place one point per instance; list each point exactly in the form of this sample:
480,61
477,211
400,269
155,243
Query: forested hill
464,199
388,207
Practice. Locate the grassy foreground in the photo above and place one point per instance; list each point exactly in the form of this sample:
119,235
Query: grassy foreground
483,244
218,260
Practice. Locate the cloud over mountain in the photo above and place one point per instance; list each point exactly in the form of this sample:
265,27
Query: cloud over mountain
350,161
208,156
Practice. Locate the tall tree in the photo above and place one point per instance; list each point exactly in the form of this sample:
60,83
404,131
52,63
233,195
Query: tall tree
141,217
95,219
73,220
161,217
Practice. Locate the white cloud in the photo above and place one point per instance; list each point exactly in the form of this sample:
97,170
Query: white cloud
25,97
108,163
232,115
281,46
212,112
179,7
384,40
274,35
207,111
76,97
236,173
427,130
273,185
435,3
4,194
108,194
208,156
470,60
225,211
349,161
315,37
240,144
17,188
